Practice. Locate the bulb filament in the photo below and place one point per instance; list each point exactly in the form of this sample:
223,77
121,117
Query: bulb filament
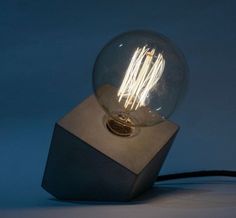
140,77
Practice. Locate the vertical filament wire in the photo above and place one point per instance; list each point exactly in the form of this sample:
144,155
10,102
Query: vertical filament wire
140,77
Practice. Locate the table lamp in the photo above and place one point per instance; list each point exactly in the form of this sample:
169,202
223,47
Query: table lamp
111,146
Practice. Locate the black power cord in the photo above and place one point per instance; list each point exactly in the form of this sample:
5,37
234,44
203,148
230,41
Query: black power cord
203,173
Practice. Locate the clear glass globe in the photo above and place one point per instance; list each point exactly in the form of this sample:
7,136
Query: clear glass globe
138,79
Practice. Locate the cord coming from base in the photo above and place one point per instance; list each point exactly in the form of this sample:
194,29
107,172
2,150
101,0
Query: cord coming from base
203,173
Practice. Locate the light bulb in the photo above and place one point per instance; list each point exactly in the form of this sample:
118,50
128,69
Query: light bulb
138,79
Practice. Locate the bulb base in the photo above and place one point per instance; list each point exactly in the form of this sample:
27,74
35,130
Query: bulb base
120,125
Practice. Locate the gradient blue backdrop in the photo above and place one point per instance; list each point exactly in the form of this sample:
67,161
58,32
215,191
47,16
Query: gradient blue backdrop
47,51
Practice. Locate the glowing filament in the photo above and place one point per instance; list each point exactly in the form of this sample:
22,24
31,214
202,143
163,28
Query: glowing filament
140,77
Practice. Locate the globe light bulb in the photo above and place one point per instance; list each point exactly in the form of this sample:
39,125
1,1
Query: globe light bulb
138,79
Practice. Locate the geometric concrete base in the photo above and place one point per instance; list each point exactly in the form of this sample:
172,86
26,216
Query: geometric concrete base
88,162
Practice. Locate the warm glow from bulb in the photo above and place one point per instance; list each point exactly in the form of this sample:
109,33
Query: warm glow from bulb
140,77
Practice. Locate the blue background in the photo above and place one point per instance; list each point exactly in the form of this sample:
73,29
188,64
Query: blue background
47,51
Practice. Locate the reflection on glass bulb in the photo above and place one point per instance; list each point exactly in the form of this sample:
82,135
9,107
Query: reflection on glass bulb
140,77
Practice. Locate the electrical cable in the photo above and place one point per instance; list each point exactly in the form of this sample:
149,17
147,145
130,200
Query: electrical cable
202,173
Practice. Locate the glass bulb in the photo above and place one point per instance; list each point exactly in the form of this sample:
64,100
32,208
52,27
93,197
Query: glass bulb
138,79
